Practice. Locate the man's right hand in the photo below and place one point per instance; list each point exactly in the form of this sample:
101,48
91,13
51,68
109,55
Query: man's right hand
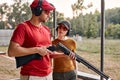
42,50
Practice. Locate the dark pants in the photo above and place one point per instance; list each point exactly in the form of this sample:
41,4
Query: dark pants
71,75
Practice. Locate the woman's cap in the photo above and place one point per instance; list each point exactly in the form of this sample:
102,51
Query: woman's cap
66,24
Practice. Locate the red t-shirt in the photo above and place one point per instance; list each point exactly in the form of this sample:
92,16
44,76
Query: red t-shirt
28,35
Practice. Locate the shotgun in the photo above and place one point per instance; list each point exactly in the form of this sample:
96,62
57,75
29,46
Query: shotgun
83,61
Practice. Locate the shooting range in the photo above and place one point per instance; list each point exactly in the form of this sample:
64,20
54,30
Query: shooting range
100,64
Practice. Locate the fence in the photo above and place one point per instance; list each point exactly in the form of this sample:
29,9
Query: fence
5,36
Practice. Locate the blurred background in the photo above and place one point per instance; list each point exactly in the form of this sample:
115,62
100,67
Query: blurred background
85,18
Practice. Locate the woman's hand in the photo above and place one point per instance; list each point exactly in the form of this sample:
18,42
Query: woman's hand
72,55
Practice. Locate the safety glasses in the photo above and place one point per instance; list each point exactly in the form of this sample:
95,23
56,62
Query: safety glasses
47,12
63,28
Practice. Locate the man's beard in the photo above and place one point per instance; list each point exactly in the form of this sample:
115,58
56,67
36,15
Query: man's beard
45,20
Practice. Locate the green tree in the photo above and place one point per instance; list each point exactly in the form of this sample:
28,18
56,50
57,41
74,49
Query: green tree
78,18
113,31
4,9
92,26
20,13
113,16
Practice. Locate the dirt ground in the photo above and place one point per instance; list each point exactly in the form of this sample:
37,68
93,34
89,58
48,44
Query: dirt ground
8,70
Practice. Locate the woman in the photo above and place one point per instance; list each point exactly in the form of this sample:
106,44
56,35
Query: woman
64,67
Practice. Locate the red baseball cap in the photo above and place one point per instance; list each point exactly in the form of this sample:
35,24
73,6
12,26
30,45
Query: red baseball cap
45,5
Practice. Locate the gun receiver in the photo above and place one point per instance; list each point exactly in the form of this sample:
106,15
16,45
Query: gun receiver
20,61
83,61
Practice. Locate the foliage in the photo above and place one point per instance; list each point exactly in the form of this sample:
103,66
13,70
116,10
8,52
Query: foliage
20,13
87,25
78,7
2,25
15,13
92,28
93,46
113,16
113,31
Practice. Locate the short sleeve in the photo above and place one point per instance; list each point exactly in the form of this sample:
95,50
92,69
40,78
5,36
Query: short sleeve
19,34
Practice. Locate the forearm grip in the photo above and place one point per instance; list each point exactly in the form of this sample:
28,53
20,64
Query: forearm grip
63,49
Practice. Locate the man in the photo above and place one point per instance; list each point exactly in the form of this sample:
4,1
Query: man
31,37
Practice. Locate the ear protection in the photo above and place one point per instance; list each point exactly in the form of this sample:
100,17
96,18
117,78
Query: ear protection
38,9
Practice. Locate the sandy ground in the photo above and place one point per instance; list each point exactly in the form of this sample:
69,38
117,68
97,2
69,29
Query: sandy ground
8,70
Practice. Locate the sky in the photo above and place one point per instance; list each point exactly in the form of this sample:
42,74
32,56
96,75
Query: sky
64,6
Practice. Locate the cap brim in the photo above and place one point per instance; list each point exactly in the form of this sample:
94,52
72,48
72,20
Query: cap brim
64,25
47,6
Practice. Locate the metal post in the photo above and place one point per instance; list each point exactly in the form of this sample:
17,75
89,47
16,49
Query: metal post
54,24
102,35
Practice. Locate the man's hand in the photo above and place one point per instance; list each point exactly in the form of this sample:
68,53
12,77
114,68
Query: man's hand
42,50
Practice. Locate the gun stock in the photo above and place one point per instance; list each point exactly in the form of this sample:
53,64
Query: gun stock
83,61
20,61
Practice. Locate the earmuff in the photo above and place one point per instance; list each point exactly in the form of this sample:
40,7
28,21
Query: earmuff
38,9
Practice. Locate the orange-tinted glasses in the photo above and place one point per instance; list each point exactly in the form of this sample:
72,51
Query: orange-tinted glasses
62,27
